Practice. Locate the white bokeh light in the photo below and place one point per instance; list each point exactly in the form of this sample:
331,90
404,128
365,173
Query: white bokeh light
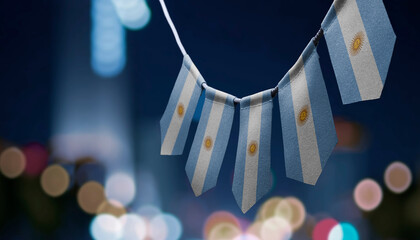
120,187
105,227
133,227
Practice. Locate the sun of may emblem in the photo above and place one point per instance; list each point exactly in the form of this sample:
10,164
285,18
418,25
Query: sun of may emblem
180,110
208,143
252,148
303,115
357,43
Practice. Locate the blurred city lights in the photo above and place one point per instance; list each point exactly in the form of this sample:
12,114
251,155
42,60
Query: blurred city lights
217,218
322,229
284,210
398,177
276,228
133,14
133,227
90,196
12,162
225,231
105,227
246,237
148,211
165,227
55,180
268,209
255,229
297,212
368,195
343,231
108,48
36,158
111,207
120,186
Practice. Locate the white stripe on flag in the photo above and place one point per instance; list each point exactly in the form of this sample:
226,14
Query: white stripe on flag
308,146
176,121
204,157
364,65
249,195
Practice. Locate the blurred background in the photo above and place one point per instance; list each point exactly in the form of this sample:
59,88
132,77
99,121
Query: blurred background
83,87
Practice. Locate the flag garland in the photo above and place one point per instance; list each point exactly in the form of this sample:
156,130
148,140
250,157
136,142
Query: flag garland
360,41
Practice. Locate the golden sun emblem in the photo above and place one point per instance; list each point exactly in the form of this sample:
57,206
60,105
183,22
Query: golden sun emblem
180,110
303,115
357,43
208,143
252,148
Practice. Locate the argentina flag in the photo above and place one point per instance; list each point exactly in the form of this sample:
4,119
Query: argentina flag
176,119
210,141
252,176
360,41
308,128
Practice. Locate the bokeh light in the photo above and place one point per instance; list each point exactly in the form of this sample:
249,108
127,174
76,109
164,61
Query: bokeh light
224,231
36,158
106,227
343,231
276,228
133,14
398,177
133,227
90,196
284,210
268,209
108,46
165,227
120,187
217,218
297,211
55,180
111,207
12,162
246,237
148,211
255,229
368,195
322,229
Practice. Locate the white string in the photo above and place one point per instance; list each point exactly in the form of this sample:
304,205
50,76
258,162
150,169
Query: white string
171,24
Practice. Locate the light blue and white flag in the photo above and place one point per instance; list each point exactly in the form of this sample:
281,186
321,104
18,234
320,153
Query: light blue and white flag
252,178
210,141
176,119
308,128
360,41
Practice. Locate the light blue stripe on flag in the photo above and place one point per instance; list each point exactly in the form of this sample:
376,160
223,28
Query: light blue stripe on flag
210,141
308,128
252,178
176,119
360,41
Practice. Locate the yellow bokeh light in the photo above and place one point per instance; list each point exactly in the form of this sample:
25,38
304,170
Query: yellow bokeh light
224,231
90,196
55,180
111,207
12,162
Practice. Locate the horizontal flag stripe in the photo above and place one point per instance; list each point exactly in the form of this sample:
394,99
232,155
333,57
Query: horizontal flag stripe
252,178
380,33
293,165
177,118
204,161
364,65
264,162
321,110
200,173
308,146
340,59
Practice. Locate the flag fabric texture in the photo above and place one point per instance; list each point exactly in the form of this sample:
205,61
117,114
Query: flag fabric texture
308,128
176,119
360,41
210,141
252,177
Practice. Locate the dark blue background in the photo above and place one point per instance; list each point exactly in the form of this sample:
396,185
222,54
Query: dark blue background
240,47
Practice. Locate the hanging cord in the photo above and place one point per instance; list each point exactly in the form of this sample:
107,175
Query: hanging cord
236,100
171,24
